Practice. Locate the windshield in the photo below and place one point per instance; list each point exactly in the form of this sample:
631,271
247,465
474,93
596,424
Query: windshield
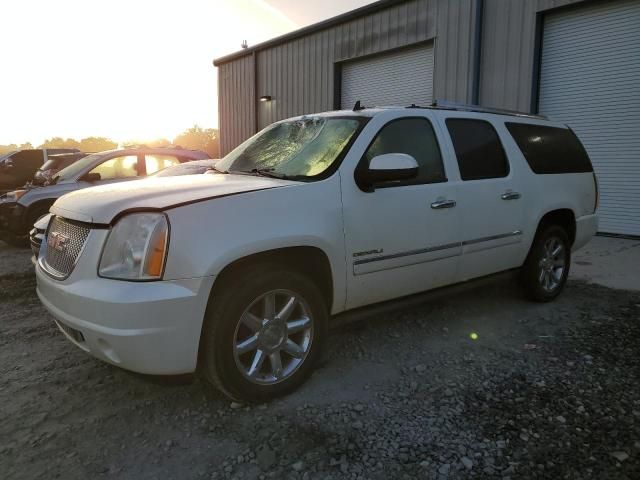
73,170
299,149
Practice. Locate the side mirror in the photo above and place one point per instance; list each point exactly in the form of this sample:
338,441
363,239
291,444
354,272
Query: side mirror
390,167
92,177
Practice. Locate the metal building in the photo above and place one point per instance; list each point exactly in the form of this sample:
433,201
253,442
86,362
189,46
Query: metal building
576,61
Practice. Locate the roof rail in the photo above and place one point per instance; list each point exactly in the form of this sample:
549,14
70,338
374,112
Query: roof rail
463,107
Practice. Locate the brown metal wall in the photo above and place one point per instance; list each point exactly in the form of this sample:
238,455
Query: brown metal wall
236,102
299,74
453,70
508,44
508,39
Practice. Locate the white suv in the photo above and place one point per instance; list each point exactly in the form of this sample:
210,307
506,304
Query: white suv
238,273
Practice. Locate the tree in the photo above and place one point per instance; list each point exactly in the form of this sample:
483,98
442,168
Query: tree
198,138
12,147
159,142
8,148
96,144
59,142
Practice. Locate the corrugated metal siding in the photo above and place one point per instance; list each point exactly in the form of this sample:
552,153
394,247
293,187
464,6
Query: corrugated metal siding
590,79
508,44
508,37
399,78
549,4
453,72
236,102
299,74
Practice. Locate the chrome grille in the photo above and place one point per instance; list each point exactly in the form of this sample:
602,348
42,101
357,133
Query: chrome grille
65,240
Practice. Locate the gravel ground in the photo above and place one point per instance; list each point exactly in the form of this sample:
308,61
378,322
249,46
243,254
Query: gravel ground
545,391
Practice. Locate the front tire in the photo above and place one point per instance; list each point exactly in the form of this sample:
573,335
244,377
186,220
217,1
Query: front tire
546,269
264,331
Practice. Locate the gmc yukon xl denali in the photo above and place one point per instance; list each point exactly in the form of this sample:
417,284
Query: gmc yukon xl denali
237,274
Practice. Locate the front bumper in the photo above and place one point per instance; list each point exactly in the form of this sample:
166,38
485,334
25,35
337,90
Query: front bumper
36,237
146,327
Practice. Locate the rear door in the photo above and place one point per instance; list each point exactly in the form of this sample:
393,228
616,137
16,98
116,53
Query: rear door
490,198
154,162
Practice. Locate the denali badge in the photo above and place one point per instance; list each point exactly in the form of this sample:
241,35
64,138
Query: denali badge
368,252
58,241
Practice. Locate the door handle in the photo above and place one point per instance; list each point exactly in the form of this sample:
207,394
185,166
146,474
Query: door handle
510,196
439,204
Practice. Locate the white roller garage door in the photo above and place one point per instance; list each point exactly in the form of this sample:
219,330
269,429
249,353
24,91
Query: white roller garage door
590,79
400,78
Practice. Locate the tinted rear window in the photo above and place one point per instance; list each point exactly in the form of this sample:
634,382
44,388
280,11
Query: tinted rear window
550,149
478,149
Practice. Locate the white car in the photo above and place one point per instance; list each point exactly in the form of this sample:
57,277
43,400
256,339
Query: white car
239,273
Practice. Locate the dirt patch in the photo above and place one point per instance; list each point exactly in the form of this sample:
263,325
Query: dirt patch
14,260
545,391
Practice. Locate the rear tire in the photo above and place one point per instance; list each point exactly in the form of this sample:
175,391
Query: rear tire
252,355
546,268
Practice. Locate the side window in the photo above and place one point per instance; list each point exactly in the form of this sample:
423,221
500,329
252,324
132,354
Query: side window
415,137
156,162
550,149
478,149
118,167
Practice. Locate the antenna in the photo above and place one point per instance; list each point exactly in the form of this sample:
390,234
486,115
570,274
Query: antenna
244,44
357,106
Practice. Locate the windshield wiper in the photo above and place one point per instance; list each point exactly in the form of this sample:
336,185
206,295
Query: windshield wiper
262,172
268,172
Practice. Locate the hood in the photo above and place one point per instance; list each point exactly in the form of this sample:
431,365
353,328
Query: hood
101,204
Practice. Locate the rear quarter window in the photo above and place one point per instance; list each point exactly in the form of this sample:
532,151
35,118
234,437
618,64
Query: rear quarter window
550,150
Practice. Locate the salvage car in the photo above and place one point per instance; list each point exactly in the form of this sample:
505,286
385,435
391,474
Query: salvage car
18,168
237,274
195,167
53,165
20,209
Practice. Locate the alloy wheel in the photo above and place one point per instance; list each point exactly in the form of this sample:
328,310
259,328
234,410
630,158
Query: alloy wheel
273,337
552,264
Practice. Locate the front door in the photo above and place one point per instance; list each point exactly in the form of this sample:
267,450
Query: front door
401,238
119,169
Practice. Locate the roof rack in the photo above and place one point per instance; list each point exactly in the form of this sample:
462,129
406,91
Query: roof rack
463,107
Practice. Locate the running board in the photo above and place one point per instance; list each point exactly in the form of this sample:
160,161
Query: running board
418,299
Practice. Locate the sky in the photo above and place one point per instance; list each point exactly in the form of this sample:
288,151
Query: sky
128,69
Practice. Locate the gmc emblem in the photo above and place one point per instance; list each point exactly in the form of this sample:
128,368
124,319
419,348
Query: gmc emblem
58,241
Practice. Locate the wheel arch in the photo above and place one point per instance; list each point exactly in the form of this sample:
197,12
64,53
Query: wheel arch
309,260
42,203
563,217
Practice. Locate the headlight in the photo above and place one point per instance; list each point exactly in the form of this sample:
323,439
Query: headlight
15,195
136,248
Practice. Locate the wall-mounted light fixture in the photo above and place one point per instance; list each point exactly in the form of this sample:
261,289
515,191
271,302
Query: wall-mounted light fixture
265,98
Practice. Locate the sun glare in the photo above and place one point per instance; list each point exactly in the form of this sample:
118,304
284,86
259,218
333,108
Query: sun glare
120,69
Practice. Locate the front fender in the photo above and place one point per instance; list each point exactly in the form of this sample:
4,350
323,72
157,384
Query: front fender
207,236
